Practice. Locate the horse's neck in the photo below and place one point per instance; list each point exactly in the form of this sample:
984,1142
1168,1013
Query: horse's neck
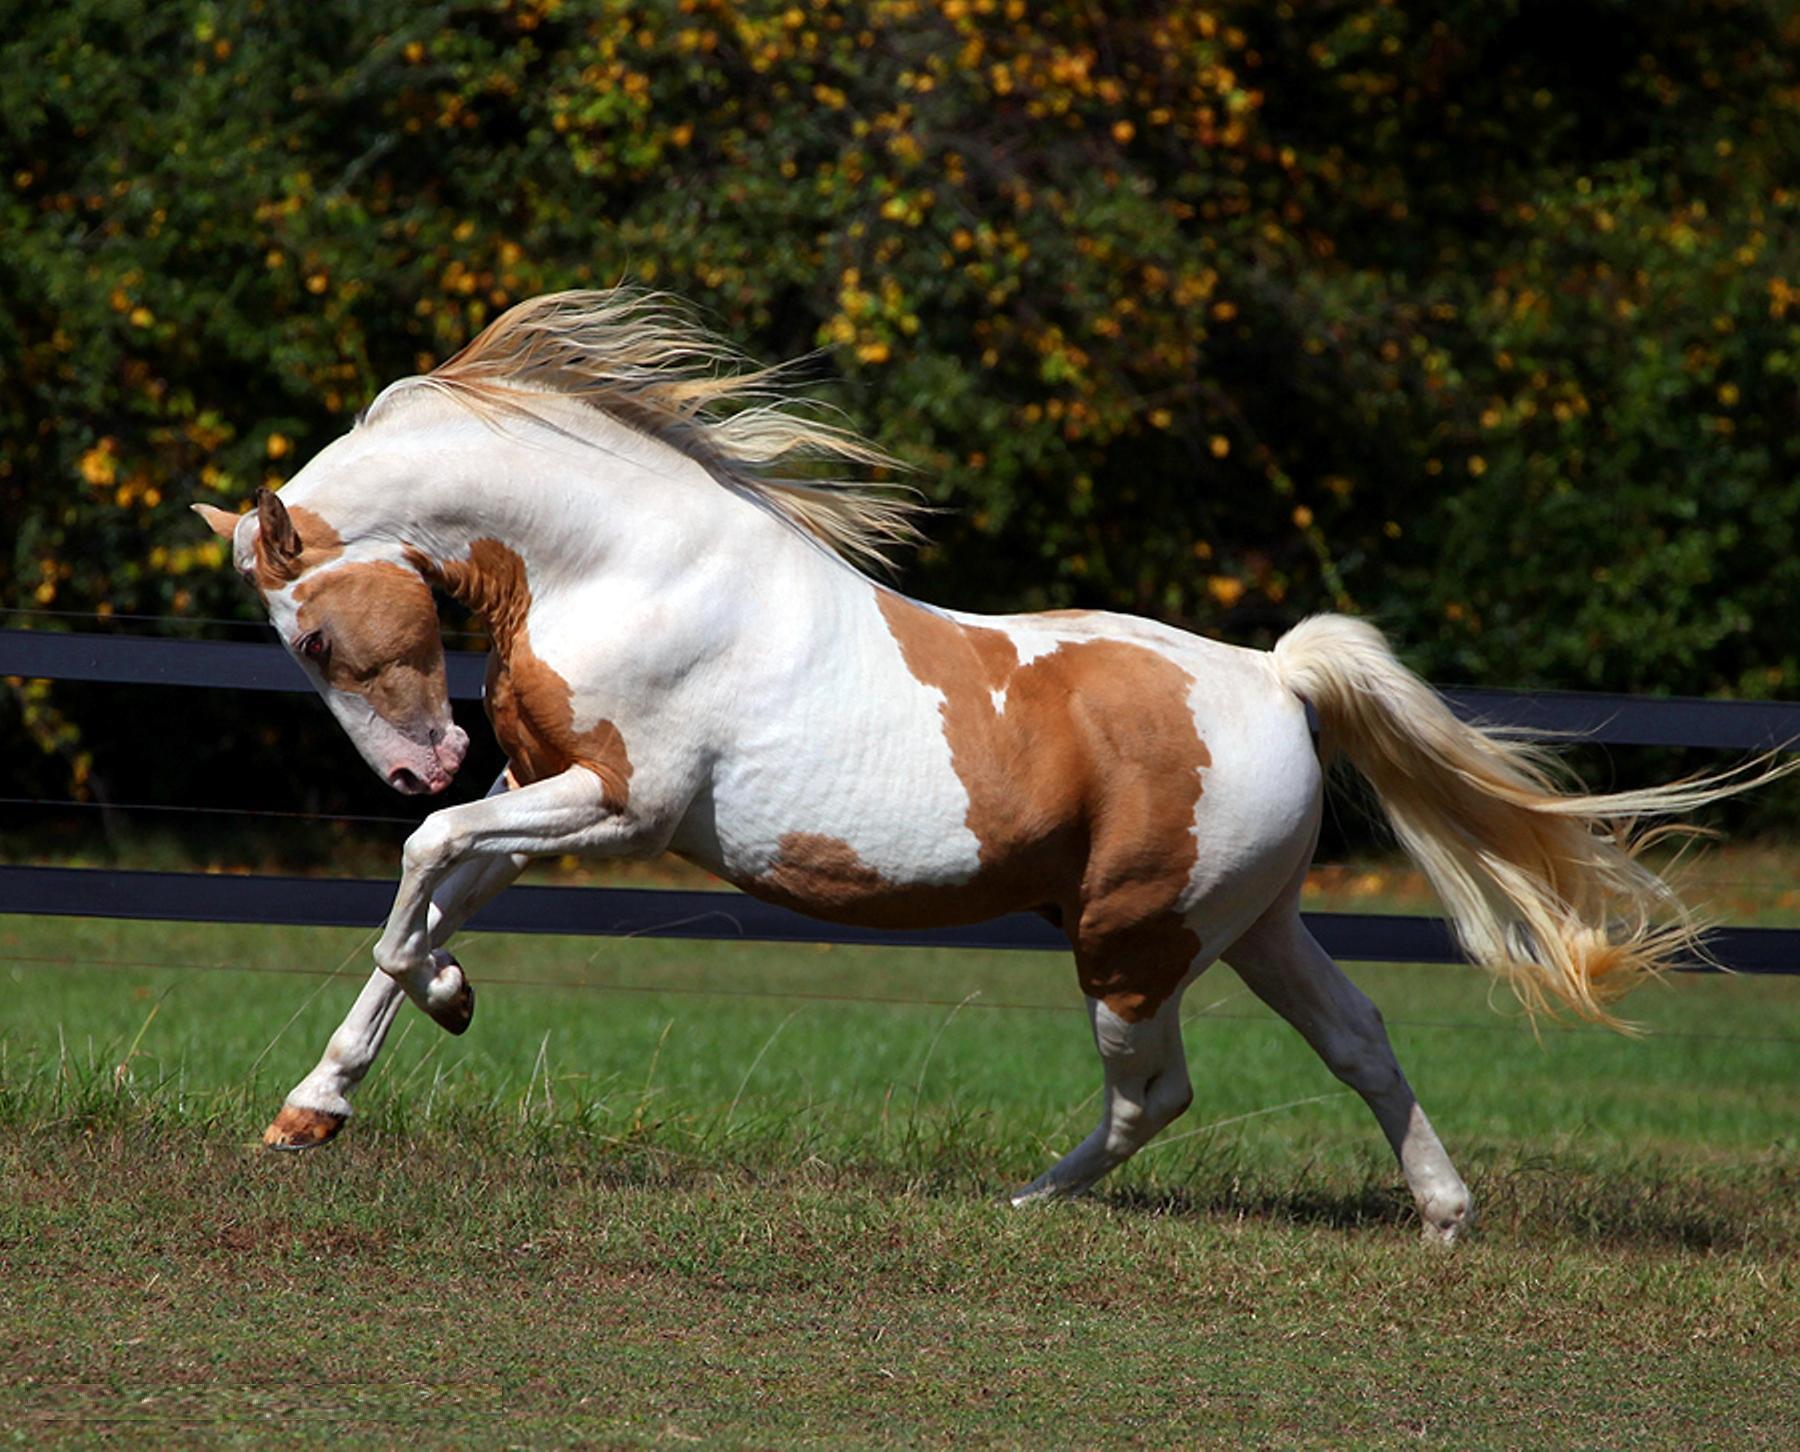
519,532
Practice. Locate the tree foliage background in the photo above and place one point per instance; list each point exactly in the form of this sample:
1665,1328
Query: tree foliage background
1481,316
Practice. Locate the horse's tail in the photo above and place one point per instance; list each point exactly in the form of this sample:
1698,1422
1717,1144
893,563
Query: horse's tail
1544,886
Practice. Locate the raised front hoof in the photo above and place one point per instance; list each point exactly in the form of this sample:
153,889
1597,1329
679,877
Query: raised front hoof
300,1129
454,1015
451,999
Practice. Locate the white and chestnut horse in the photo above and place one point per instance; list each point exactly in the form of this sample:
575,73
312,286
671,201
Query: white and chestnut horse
687,658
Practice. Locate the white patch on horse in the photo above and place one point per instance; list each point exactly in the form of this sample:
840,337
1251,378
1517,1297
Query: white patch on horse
904,776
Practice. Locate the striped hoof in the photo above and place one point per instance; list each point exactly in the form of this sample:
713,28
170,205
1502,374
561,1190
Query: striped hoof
298,1129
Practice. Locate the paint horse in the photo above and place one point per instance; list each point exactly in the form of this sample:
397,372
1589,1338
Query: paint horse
687,657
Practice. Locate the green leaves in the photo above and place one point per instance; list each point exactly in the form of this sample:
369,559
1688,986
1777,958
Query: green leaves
1433,311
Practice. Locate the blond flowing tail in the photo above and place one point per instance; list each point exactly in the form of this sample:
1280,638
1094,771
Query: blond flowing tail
1543,886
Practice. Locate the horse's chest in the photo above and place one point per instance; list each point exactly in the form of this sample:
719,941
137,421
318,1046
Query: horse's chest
532,711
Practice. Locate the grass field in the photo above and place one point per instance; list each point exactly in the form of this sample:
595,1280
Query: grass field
728,1194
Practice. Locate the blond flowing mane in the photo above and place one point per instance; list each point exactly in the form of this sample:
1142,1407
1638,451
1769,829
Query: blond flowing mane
639,358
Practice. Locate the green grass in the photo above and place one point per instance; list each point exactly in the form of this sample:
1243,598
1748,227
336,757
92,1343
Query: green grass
664,1192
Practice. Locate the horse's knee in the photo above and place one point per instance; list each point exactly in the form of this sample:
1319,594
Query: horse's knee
432,847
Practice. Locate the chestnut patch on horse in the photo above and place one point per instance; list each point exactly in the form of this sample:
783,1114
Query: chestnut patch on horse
383,632
821,875
1083,769
307,541
529,704
491,582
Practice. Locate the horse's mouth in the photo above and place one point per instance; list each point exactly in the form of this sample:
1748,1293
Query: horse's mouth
431,771
411,784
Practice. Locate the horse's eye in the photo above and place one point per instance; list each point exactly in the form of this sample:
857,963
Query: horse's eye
312,646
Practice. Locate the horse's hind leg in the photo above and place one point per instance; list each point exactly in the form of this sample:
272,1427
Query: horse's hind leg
1284,966
1146,1086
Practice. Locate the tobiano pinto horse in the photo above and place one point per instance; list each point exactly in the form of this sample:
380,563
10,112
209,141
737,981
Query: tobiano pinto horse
688,658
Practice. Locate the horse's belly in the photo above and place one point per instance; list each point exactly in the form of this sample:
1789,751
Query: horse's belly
869,837
843,792
827,877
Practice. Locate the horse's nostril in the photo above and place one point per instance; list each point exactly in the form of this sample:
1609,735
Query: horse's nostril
402,780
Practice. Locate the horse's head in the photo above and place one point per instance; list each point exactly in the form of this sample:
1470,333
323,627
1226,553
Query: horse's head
362,624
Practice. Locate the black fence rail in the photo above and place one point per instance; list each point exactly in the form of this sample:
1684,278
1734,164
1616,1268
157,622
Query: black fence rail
634,912
137,660
626,912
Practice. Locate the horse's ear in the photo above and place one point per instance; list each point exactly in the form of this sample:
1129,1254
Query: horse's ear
280,540
221,522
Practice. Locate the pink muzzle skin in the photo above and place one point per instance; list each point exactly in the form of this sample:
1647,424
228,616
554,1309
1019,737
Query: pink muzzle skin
425,770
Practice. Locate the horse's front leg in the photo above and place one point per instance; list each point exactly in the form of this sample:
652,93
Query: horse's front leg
319,1104
570,812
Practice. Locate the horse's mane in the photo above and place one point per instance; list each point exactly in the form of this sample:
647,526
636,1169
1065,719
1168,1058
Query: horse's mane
639,358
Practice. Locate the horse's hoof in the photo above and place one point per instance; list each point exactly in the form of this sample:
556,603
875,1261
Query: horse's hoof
1448,1224
459,1013
299,1129
1040,1191
450,1001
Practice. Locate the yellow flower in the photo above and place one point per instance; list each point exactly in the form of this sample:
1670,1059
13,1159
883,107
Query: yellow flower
873,352
98,465
1303,516
1226,590
277,445
1220,445
1477,465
